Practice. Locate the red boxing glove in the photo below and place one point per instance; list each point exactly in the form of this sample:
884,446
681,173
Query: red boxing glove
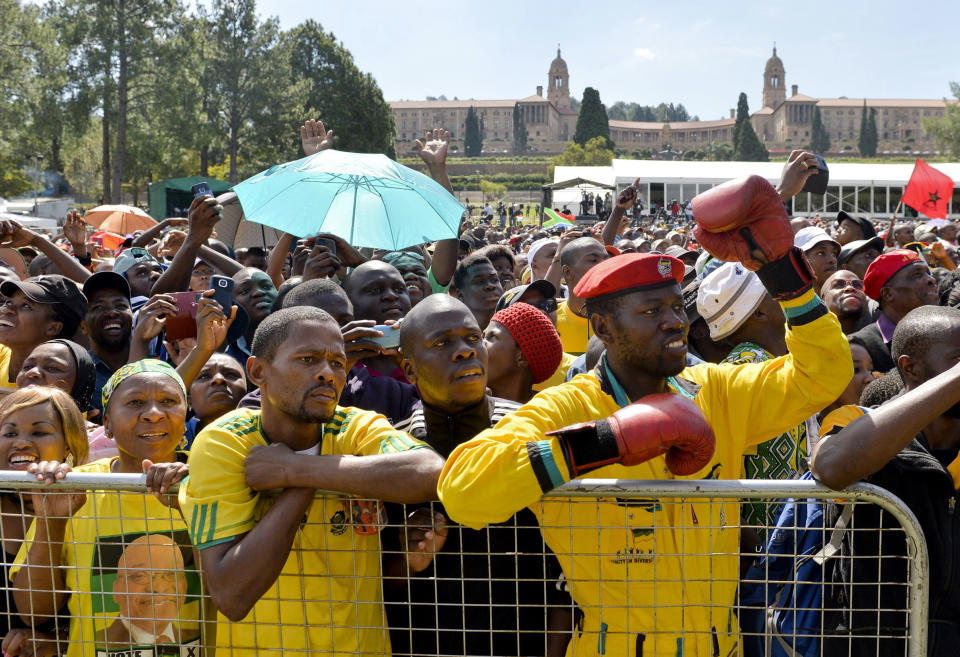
744,220
664,423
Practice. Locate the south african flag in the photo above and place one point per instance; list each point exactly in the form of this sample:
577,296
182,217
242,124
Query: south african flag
557,219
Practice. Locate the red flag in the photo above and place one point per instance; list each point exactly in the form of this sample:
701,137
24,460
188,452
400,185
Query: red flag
928,191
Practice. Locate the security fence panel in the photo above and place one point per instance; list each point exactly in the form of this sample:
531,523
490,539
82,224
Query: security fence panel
97,566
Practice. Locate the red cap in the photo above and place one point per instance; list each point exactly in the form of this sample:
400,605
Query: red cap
535,335
884,267
628,272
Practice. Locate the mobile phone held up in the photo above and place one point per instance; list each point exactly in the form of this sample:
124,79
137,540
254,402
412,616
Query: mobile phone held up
390,338
222,287
184,323
817,183
201,189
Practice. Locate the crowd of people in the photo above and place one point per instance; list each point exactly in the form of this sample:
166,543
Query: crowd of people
441,391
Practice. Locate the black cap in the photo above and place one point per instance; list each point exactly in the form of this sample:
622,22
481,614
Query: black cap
511,296
865,225
106,280
850,249
56,289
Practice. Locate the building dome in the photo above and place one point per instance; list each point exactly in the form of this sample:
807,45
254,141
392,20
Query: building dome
558,66
774,81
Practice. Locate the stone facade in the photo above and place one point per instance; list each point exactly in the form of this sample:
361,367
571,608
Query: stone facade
549,120
784,122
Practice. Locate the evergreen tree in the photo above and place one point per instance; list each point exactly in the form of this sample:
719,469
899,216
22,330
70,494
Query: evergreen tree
519,131
747,147
473,134
872,138
819,136
592,120
863,141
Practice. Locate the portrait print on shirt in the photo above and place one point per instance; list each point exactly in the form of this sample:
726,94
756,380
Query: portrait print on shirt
146,595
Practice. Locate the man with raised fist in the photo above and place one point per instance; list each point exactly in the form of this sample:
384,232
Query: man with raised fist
652,577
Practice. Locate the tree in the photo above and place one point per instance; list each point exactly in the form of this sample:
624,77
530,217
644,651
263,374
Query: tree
592,120
255,101
747,147
819,136
519,131
473,134
867,142
593,153
946,129
341,95
495,190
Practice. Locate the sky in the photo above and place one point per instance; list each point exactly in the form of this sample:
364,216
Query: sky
701,54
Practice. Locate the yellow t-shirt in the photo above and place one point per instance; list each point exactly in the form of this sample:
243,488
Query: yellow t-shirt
327,598
130,568
574,330
559,376
5,382
661,574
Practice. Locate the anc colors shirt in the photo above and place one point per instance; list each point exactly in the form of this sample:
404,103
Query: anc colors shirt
130,568
574,330
327,598
6,384
652,577
781,457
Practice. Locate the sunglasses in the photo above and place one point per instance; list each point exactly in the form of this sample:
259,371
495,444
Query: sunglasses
546,306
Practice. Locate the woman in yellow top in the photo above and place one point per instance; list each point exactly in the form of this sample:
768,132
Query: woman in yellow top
123,559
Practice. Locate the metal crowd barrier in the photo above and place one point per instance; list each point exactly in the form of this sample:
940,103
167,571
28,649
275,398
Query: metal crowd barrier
131,586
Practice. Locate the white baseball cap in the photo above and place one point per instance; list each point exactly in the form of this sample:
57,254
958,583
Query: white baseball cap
809,237
727,297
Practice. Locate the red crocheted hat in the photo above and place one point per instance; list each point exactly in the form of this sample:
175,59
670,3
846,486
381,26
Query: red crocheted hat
535,335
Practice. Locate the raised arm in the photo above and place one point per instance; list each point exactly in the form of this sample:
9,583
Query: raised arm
203,215
277,258
212,327
433,151
625,201
800,166
146,237
225,264
14,234
869,442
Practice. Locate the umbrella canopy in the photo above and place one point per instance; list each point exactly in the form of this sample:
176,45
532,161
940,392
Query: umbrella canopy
236,231
368,200
122,219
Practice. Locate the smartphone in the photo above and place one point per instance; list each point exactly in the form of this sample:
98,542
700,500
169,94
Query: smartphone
223,292
201,189
327,242
817,183
391,336
184,323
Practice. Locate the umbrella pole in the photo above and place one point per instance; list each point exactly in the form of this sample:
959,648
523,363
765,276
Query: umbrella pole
353,222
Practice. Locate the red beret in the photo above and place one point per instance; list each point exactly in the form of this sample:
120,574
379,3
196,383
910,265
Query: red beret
535,335
883,268
628,272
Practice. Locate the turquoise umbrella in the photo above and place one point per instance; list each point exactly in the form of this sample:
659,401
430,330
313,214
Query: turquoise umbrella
368,200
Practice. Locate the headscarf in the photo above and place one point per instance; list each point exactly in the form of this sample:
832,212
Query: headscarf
403,259
139,367
85,384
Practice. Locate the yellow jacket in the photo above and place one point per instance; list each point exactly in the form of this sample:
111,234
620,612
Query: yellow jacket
652,578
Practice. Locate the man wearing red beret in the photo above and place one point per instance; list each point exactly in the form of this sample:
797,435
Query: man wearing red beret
658,578
900,281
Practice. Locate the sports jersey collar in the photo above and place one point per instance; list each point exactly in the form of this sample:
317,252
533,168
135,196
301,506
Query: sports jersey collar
445,431
610,385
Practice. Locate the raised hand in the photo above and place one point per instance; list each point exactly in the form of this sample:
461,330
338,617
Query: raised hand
346,253
314,138
75,230
204,213
212,322
800,166
151,317
433,149
13,234
628,196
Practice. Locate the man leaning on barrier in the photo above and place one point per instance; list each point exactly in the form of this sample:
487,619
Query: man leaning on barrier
289,568
663,576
